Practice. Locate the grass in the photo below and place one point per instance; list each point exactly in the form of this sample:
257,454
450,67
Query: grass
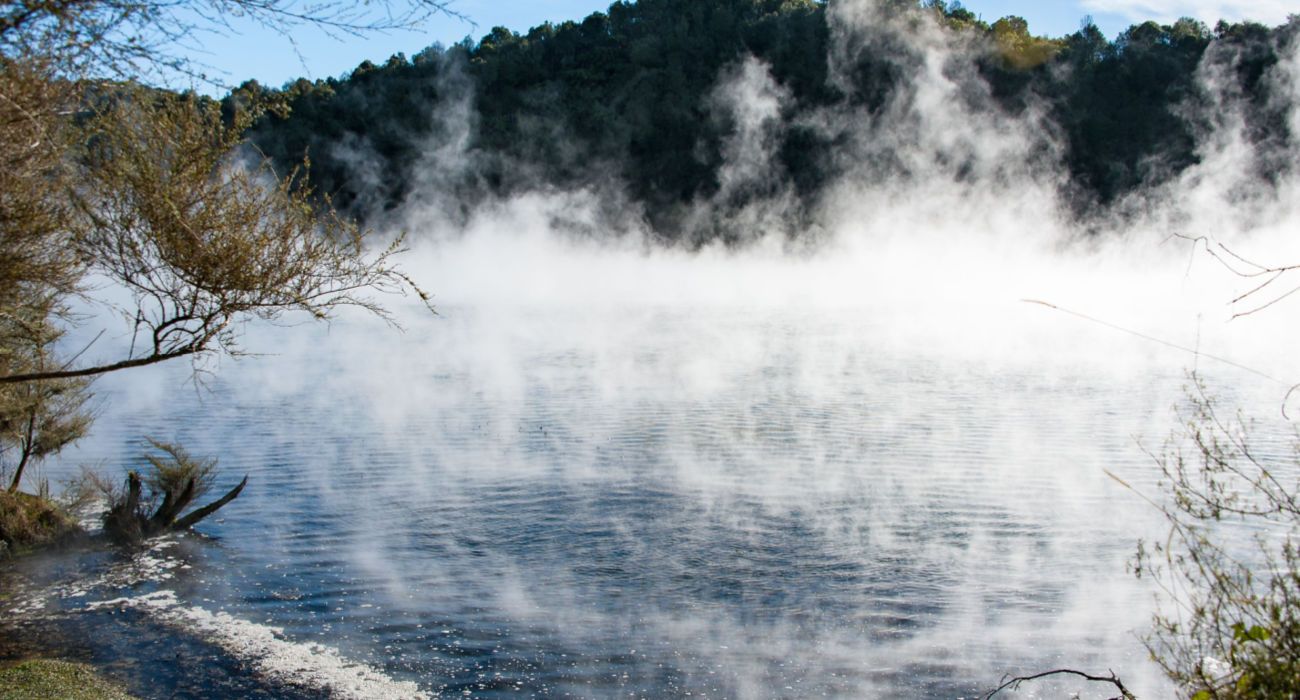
43,679
28,522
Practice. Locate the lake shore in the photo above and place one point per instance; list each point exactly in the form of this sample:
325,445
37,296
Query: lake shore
36,679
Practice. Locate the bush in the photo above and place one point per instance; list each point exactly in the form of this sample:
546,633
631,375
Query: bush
1230,565
175,479
171,468
27,522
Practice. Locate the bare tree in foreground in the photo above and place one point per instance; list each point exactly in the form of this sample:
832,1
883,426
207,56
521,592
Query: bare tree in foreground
1229,567
203,235
158,39
154,193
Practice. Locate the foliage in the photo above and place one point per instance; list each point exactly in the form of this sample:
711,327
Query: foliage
1230,566
39,418
155,193
172,467
626,93
1018,48
28,521
202,233
172,209
174,480
33,139
39,269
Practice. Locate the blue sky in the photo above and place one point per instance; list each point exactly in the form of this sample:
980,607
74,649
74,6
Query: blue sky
272,60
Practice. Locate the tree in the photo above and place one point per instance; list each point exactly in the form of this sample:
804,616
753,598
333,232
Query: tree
40,418
168,206
1018,47
1230,566
155,192
38,270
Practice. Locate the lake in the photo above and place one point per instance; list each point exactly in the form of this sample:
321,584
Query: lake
632,501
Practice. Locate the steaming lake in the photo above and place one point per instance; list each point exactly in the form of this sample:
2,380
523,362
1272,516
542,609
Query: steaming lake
640,502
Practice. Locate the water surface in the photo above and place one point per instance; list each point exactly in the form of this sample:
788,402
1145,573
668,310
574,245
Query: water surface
636,503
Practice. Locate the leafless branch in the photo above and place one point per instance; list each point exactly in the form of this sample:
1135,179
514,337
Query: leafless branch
1014,683
1247,269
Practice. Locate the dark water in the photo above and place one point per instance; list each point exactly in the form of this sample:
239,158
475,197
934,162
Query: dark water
724,505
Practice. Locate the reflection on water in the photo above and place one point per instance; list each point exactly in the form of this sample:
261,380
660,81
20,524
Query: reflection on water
655,504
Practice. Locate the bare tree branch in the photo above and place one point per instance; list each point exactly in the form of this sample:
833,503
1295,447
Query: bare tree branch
205,236
1246,269
1014,683
150,39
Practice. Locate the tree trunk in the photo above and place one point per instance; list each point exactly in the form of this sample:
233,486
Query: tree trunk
123,521
126,523
171,506
26,454
18,473
193,518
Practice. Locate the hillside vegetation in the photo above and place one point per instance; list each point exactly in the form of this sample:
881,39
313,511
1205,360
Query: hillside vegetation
630,96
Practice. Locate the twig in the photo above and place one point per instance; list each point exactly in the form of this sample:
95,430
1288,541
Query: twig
1153,339
1014,683
1273,272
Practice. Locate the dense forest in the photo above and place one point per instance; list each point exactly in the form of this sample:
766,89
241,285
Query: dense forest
628,99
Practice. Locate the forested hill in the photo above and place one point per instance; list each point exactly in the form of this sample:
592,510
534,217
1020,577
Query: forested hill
629,100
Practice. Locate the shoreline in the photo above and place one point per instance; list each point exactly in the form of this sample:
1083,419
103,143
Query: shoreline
39,677
124,620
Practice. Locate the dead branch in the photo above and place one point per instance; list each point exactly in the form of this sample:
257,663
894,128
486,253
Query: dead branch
1245,268
1014,683
193,518
127,523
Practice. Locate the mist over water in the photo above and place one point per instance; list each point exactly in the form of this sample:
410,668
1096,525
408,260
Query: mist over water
719,502
842,457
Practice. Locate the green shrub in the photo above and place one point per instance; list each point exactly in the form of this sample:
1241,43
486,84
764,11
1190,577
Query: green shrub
1230,564
28,521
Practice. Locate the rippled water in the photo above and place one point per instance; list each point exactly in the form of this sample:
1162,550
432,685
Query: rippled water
648,503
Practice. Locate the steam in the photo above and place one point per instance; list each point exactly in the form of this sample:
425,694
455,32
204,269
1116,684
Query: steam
749,97
864,374
753,197
947,211
1225,195
944,202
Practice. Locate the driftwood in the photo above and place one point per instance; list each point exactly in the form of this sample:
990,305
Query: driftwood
1014,683
193,518
126,522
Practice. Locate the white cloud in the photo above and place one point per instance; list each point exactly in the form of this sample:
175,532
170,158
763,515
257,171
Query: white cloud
1209,11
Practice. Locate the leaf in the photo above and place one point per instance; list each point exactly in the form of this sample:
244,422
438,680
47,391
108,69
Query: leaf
1241,634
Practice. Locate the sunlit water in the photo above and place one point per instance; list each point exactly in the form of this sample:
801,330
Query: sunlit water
632,503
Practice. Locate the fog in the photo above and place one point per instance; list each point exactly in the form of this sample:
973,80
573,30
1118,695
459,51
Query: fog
952,211
849,453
